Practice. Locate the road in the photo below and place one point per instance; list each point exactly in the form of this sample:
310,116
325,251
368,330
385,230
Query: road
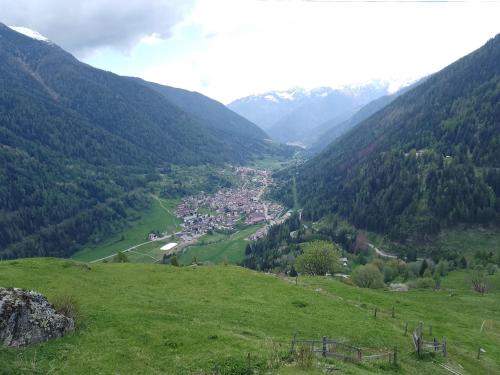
129,249
382,253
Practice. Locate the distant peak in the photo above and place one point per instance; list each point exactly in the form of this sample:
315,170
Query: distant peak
30,33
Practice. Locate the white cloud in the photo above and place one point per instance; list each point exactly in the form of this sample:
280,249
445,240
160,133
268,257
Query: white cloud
255,46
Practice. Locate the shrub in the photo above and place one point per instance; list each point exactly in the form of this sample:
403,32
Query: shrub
304,357
368,276
173,261
491,268
425,283
67,305
479,282
120,257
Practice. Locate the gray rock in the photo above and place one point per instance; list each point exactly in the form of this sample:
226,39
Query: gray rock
27,318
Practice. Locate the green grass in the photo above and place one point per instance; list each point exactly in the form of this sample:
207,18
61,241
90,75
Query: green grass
156,319
160,216
470,240
270,163
217,248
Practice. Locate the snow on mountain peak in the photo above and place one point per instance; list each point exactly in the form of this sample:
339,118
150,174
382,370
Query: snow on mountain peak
30,33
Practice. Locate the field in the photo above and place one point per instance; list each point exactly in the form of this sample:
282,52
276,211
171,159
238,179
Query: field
468,241
218,248
156,319
160,216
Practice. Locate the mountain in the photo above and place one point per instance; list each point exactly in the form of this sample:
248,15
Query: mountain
268,108
428,160
78,145
335,128
299,116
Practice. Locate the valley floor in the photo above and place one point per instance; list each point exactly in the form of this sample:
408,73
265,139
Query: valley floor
157,319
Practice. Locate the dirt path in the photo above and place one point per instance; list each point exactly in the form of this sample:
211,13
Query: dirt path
382,253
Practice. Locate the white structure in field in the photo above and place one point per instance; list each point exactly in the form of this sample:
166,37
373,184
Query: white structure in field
169,246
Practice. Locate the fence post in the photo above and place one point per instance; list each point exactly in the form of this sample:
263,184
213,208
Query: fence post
324,346
292,350
406,328
395,357
430,330
249,364
419,340
445,348
393,314
420,329
478,352
435,345
360,356
375,312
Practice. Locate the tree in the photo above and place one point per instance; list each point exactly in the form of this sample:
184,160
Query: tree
368,276
479,282
120,257
423,267
173,261
318,258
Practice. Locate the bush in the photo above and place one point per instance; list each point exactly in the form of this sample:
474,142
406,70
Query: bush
425,283
67,305
492,268
120,257
368,276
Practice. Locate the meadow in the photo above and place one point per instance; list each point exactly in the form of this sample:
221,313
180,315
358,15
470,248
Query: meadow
158,319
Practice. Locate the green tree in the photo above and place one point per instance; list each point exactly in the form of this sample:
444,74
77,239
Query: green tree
120,257
368,276
173,261
318,258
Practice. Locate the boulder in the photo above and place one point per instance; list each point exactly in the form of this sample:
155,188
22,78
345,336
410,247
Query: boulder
27,318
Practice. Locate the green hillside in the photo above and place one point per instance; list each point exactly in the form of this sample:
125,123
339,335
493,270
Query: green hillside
156,319
79,146
427,161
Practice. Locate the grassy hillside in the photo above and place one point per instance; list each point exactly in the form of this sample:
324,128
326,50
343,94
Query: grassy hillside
155,319
160,216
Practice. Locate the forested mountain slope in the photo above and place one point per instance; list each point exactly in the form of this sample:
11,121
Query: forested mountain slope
429,159
336,129
78,144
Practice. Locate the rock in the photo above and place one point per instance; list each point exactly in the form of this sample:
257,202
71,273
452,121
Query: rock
27,318
397,287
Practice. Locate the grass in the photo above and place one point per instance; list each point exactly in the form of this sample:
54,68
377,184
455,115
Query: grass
470,240
156,319
218,248
160,216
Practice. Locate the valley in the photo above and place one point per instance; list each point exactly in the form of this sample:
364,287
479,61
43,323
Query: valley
339,214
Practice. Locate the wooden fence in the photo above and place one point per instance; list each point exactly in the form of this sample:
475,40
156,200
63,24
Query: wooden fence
346,352
422,346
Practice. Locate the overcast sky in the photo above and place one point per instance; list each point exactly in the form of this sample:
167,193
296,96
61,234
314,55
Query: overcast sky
227,49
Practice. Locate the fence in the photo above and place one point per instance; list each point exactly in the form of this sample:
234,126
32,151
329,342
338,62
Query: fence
346,352
422,346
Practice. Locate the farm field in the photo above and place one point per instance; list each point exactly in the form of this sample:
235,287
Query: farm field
218,248
160,216
157,319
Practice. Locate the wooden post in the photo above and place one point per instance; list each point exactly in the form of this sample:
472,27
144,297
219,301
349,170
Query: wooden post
294,340
435,345
419,343
430,330
393,314
478,352
360,356
445,348
420,330
375,312
395,357
324,346
406,328
249,364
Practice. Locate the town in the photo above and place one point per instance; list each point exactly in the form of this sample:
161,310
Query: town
223,211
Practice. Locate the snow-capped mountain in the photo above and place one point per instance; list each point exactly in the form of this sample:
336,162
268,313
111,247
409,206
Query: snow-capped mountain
30,33
295,115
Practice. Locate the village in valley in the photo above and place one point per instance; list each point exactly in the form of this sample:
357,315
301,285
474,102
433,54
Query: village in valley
242,205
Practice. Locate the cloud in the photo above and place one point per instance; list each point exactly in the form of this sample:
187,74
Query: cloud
82,26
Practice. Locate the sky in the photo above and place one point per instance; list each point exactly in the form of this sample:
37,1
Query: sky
228,49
